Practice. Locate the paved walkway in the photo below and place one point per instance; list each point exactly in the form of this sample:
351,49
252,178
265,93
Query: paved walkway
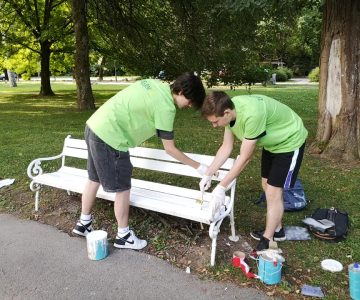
39,262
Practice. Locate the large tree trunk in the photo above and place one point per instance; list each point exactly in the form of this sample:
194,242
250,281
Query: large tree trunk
85,98
45,89
338,134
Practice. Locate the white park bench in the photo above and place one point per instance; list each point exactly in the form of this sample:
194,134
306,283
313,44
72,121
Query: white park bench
164,198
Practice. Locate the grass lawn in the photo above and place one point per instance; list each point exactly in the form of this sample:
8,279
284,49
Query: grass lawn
33,126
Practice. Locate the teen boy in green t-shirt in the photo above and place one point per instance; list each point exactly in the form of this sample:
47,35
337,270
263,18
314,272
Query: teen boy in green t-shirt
257,120
132,116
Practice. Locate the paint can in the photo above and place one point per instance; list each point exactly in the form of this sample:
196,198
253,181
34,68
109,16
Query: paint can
97,245
269,270
354,281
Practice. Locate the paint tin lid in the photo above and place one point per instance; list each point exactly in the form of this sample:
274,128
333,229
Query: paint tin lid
331,265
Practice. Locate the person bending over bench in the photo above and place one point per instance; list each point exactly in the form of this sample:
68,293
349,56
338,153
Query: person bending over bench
132,116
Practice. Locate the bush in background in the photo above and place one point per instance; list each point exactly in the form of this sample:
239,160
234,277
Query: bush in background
281,74
314,75
289,72
25,76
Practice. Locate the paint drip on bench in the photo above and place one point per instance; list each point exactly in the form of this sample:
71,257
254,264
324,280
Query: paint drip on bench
97,244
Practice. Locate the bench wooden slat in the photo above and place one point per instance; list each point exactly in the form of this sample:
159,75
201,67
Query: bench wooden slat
160,154
164,166
176,201
73,148
75,143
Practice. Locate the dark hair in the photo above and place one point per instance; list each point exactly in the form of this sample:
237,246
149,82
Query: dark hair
215,104
191,87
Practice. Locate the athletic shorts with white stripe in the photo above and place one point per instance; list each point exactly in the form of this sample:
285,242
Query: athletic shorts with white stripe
281,169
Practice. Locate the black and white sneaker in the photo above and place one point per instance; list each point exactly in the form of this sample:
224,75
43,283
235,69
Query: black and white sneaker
263,244
82,229
278,236
129,241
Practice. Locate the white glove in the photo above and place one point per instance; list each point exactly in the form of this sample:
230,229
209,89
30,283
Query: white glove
217,200
202,169
205,183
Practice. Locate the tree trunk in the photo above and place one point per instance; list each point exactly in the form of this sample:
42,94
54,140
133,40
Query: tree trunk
6,74
12,78
338,133
85,98
101,68
45,89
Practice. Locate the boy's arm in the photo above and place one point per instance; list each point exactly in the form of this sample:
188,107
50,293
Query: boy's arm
246,151
223,152
170,148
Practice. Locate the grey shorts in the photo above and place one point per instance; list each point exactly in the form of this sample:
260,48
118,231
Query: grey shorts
110,167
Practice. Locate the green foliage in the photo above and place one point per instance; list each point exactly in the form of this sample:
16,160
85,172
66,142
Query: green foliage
291,34
288,72
314,75
281,74
32,30
61,63
177,36
304,42
24,62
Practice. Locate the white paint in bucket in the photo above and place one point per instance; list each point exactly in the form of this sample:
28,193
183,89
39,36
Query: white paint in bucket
97,244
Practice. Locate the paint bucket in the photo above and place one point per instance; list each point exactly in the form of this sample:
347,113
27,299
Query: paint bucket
97,245
269,270
354,281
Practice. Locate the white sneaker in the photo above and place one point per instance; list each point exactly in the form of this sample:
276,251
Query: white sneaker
129,241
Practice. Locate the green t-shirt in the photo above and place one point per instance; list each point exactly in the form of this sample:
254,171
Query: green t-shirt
276,126
133,115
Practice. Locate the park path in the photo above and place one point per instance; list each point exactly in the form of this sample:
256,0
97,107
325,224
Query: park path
38,261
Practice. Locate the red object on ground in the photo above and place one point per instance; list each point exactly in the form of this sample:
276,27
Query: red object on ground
239,261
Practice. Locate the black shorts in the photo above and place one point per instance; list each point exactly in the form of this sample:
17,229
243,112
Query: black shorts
110,167
281,169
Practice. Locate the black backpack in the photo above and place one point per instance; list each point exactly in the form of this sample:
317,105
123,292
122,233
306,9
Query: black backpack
335,233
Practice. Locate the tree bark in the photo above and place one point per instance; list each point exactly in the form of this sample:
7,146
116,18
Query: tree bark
338,133
45,89
85,98
12,79
101,69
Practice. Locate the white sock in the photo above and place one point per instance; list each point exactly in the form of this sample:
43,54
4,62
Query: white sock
85,219
278,228
123,231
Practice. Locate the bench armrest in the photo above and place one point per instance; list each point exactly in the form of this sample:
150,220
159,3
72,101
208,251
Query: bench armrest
34,169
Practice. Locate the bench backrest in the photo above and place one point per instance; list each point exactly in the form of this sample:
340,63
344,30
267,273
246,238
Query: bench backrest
148,158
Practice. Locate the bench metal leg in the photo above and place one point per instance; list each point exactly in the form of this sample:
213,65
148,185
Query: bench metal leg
35,187
233,237
214,230
37,200
213,251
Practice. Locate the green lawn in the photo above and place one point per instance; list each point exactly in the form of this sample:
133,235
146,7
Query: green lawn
33,126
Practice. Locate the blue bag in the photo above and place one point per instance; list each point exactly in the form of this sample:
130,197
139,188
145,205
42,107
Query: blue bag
294,198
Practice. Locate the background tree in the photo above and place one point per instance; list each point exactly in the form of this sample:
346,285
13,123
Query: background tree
304,41
176,36
43,26
338,133
85,99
